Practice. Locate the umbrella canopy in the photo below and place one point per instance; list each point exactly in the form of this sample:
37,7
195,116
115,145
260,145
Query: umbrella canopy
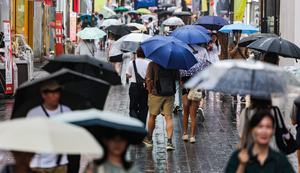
167,5
247,29
143,11
173,8
86,65
173,21
191,36
196,27
242,77
131,41
116,16
158,10
276,45
102,124
109,22
132,12
82,17
128,7
211,22
169,52
147,16
80,92
253,37
106,12
182,13
122,9
164,13
91,33
114,5
42,135
141,28
121,30
201,65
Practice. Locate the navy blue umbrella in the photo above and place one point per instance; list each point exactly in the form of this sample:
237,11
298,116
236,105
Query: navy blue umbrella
169,52
211,22
191,36
197,27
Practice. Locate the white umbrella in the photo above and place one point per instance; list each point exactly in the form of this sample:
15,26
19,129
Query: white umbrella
142,28
42,135
173,21
147,16
109,22
173,8
106,12
91,33
131,41
114,5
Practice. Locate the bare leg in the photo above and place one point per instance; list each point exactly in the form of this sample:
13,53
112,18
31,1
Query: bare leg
117,66
186,113
193,112
201,103
151,124
169,126
298,155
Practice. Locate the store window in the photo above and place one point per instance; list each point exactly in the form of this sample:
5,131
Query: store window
20,16
270,13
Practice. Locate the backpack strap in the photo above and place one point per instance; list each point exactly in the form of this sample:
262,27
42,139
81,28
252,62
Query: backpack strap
240,51
134,67
88,47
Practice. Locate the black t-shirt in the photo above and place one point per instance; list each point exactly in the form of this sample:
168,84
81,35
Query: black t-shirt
85,24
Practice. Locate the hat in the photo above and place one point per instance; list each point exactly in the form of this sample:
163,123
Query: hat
50,85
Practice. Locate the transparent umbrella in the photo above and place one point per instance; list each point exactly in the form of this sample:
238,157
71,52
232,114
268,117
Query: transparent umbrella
106,12
131,41
173,21
109,22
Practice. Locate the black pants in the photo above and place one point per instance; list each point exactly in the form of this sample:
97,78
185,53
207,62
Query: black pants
138,103
74,163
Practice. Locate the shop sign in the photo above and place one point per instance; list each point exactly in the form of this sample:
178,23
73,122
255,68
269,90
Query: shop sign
8,58
58,33
73,24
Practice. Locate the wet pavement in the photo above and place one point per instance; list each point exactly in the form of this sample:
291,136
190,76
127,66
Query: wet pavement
216,138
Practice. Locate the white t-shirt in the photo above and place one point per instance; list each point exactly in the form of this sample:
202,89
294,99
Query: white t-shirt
151,28
114,50
47,160
141,66
214,53
86,49
99,22
202,52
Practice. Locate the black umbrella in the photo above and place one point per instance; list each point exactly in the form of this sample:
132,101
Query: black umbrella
86,65
164,14
120,30
158,10
253,37
276,45
167,5
80,92
116,16
183,13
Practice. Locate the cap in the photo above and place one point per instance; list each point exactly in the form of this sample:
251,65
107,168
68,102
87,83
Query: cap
50,85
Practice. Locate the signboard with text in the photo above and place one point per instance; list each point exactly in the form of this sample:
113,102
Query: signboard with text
58,33
73,24
8,58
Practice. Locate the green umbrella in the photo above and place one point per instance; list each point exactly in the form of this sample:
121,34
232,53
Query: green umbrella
122,9
91,33
106,12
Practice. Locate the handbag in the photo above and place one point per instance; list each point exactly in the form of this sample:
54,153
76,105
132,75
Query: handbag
284,139
88,48
247,138
141,82
195,94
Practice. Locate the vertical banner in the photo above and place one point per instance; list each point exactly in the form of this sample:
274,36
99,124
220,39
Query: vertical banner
239,9
196,4
58,33
73,25
8,58
204,6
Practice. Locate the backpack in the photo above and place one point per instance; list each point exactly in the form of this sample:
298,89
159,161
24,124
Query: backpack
165,85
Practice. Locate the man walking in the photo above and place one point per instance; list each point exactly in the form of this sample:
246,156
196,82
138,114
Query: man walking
150,26
161,89
86,23
139,20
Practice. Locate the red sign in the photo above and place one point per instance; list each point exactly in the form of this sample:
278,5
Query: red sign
8,58
58,33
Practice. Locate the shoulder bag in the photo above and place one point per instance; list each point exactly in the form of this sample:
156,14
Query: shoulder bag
141,82
89,48
195,94
240,51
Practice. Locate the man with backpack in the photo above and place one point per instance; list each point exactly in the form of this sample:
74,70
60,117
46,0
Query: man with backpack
152,28
161,90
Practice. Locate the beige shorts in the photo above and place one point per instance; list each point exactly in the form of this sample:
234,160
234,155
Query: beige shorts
161,104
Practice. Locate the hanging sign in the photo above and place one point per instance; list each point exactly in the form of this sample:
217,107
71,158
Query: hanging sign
58,33
8,58
73,24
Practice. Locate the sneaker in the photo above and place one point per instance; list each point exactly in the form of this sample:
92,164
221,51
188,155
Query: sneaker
170,146
190,120
175,109
201,114
148,142
185,137
243,99
179,109
192,139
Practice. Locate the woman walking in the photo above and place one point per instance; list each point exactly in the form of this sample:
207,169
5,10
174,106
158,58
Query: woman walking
114,54
214,49
86,47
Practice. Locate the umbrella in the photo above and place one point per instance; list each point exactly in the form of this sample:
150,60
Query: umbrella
143,11
276,45
253,37
173,21
102,124
42,135
201,65
182,13
167,5
169,52
131,41
128,7
86,65
132,12
122,9
91,33
109,22
191,36
106,12
242,77
82,17
116,16
247,29
173,8
164,13
158,10
121,30
196,27
80,92
114,5
142,28
211,22
147,16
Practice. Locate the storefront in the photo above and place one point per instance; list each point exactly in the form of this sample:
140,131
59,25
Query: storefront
269,11
4,12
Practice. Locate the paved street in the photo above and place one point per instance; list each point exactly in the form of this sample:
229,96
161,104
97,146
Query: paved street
216,138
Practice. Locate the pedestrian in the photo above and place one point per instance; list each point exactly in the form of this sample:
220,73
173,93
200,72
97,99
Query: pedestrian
215,50
150,26
137,92
161,89
86,47
139,20
99,22
114,54
93,21
259,157
21,165
86,23
132,20
51,163
295,117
